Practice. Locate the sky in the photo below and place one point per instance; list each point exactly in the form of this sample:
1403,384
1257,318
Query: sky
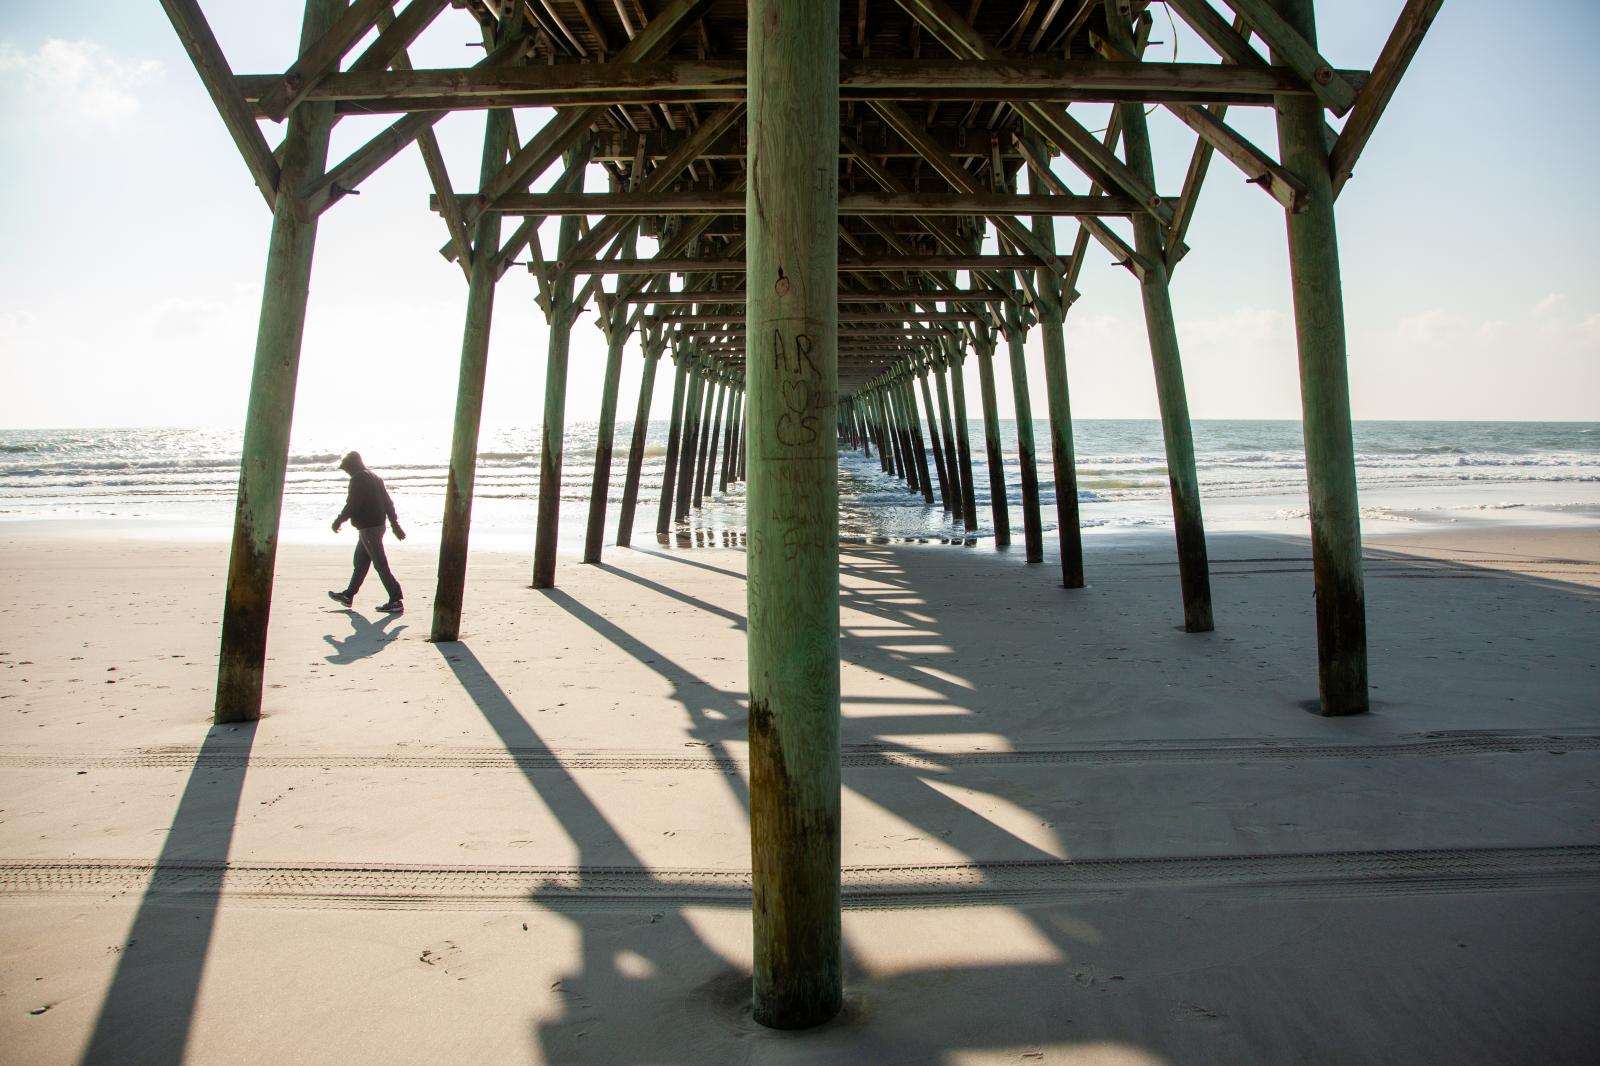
132,256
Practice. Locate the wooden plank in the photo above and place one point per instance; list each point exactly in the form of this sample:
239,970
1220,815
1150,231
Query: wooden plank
206,55
321,57
1297,53
1402,45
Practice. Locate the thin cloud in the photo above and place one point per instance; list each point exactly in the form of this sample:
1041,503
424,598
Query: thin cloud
1549,303
75,80
1428,327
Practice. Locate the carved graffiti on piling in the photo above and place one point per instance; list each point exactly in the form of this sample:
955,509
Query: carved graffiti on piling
802,406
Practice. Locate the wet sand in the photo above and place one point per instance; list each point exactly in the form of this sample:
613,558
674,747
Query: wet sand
1073,833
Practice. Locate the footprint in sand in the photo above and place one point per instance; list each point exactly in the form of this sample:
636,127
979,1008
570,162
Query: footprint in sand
444,957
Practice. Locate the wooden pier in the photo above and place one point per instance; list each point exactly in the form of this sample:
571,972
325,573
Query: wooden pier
853,206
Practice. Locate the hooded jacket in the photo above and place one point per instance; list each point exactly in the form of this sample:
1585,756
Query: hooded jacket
368,502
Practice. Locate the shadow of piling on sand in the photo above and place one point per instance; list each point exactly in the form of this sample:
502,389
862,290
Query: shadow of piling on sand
150,1005
1142,979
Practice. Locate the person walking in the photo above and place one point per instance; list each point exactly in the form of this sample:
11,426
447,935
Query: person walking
365,508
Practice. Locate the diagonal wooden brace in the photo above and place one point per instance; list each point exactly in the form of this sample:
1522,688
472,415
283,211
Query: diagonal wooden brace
201,44
1052,120
1298,54
322,57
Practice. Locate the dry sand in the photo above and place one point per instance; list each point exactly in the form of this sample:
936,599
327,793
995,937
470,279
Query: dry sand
1073,833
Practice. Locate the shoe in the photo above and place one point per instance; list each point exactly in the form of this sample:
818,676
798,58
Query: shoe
341,597
392,607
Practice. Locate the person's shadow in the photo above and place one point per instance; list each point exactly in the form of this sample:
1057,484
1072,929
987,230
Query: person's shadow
366,638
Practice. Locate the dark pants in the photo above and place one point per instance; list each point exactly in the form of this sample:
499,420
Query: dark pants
369,552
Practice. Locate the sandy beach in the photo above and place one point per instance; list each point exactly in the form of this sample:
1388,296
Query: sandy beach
1072,832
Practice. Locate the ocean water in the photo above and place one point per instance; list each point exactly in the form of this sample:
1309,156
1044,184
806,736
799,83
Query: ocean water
182,481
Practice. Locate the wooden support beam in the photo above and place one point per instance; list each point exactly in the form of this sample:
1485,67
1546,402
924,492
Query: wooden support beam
958,389
321,57
735,297
908,401
844,317
450,590
1016,333
946,232
366,89
941,469
1403,42
1106,236
708,411
659,180
1325,403
653,346
868,264
893,446
723,408
1194,178
396,33
1177,433
1052,305
692,417
564,311
999,504
1051,120
793,512
669,473
947,431
1229,42
1291,49
241,660
730,441
617,332
1258,167
616,206
365,161
206,55
526,235
959,178
561,131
